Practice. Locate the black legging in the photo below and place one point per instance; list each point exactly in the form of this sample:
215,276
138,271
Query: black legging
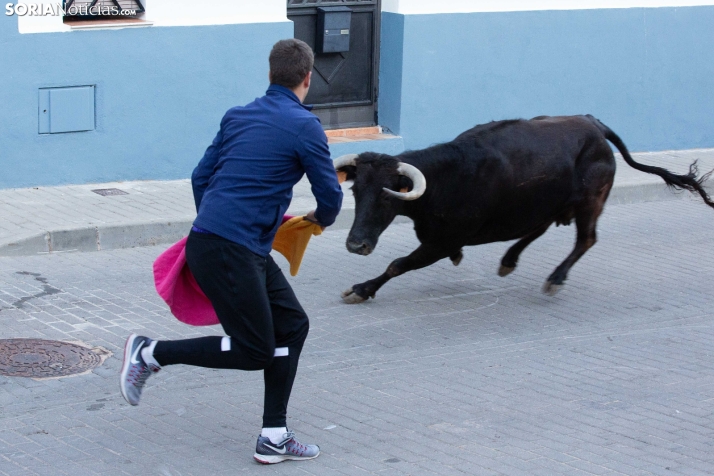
257,309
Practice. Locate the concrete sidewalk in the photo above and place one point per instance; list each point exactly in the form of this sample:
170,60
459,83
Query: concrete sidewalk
75,218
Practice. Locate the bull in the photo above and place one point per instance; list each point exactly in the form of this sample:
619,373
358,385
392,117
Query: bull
500,181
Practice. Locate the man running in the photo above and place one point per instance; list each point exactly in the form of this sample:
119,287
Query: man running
242,188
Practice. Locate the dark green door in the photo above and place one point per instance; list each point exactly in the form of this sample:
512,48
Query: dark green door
344,85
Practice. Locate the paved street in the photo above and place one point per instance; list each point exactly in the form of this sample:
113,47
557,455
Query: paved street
448,371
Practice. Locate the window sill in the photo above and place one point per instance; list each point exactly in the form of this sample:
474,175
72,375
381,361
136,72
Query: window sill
107,24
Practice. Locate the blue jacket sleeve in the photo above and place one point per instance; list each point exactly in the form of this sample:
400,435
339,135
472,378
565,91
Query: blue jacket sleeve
205,169
314,155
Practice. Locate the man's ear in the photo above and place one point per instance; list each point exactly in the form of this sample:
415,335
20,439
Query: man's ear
307,80
270,77
346,174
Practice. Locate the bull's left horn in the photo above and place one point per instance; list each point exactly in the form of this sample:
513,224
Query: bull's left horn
417,179
345,161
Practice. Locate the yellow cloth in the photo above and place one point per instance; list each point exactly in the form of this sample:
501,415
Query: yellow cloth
292,238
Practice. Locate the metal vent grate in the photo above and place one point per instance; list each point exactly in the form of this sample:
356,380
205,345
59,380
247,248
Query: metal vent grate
109,192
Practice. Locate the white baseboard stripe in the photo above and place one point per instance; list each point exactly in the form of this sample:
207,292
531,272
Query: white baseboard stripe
416,7
226,344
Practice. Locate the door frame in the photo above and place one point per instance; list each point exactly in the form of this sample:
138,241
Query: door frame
309,9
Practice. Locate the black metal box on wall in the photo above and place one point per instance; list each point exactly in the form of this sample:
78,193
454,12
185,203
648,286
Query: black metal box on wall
333,29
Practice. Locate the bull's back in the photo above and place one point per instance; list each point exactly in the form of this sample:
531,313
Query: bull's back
530,173
544,137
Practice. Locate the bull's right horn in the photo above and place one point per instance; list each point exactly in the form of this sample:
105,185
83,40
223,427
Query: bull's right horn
417,179
345,160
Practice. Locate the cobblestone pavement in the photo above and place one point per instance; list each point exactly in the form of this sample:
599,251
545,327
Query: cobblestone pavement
448,371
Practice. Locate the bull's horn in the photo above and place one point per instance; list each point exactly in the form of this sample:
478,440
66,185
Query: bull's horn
417,179
345,161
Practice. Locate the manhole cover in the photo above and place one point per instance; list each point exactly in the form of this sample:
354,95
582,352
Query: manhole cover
106,192
38,358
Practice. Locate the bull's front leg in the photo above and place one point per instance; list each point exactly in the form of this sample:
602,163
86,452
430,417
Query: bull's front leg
423,256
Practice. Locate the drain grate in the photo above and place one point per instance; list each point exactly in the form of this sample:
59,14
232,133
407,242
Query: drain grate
107,192
38,358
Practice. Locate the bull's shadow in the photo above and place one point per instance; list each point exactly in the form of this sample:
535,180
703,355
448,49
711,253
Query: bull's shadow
502,181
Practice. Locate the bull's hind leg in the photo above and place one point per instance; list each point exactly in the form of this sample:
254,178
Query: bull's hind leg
586,238
422,257
510,259
586,217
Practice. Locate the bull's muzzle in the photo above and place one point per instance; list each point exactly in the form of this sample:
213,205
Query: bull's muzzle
359,247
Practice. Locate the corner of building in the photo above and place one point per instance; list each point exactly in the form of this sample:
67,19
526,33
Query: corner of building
390,71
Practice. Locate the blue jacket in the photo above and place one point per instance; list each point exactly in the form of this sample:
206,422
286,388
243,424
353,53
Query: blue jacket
244,183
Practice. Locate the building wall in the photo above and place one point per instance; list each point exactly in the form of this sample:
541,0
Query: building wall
644,67
160,90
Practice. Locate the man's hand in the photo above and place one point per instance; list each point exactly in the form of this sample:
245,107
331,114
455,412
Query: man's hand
311,218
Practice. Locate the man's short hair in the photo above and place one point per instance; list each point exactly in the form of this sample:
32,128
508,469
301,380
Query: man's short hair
290,62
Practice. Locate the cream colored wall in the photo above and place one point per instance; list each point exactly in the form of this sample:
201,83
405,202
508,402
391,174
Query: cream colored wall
214,12
176,13
415,7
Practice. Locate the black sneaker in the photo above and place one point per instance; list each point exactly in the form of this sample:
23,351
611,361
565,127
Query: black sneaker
135,371
289,448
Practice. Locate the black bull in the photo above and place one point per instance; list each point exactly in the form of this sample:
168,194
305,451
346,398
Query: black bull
496,182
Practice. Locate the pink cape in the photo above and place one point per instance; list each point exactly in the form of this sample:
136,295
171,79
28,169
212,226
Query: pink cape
177,286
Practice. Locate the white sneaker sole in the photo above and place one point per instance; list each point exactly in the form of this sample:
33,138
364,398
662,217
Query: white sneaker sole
273,459
125,368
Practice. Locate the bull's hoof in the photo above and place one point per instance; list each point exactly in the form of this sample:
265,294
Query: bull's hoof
551,289
505,270
457,257
351,297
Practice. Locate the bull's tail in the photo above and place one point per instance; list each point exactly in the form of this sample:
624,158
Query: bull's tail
691,181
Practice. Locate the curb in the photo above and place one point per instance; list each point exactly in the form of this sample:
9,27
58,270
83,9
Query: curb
132,235
98,238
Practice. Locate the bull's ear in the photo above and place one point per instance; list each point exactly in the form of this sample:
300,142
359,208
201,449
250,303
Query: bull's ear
405,184
346,174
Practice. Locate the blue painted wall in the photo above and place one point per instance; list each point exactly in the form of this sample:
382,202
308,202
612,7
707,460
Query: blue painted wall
160,92
160,95
390,72
647,73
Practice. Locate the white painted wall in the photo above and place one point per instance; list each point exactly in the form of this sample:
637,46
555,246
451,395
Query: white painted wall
214,12
222,12
40,24
415,7
176,13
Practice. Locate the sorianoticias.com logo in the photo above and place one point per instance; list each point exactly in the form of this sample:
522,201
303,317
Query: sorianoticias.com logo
57,9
